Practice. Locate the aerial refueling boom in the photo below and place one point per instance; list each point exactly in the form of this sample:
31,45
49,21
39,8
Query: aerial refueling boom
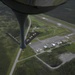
22,8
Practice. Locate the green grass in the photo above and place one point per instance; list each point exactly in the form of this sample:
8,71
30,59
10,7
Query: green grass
34,67
12,61
53,32
31,67
72,38
8,47
50,58
60,21
65,48
7,51
4,60
26,53
34,40
71,47
47,29
67,69
59,50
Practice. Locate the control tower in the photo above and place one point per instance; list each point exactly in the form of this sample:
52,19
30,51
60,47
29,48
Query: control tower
23,8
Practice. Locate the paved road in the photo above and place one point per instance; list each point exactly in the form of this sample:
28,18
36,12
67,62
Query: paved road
65,57
55,22
19,52
44,63
47,42
26,58
13,38
40,61
28,28
30,57
15,62
40,44
52,68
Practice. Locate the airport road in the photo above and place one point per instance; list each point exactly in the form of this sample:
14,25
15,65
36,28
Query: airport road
46,42
15,62
55,22
19,52
44,63
48,20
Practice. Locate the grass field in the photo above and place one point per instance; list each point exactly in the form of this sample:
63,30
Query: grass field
51,59
26,53
8,47
65,48
47,29
71,48
31,67
34,67
66,69
60,21
7,51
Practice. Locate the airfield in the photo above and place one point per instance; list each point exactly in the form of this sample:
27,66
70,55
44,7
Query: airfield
52,52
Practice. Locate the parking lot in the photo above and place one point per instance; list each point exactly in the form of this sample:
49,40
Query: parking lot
49,42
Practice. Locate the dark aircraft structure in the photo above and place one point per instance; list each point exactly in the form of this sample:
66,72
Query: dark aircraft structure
23,8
